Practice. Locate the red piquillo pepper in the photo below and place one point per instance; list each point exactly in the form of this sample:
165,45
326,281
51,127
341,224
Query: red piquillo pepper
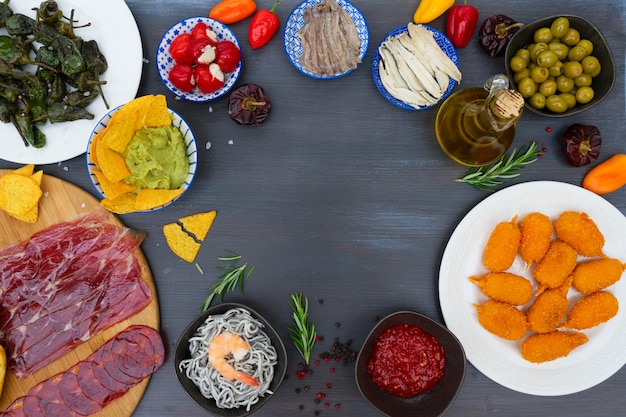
461,23
263,26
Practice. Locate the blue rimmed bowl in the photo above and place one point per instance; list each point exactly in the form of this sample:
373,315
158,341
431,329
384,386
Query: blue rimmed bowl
293,45
178,122
165,62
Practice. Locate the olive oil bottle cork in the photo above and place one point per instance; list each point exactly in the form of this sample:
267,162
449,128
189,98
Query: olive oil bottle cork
507,104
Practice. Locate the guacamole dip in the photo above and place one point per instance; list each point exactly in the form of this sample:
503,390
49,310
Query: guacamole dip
156,158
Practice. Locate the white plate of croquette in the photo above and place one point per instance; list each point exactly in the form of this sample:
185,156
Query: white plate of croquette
603,350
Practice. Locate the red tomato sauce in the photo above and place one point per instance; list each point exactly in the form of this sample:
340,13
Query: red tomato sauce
406,361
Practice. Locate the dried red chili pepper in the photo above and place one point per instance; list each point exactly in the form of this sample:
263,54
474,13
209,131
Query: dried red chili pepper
581,144
249,105
461,23
263,26
496,32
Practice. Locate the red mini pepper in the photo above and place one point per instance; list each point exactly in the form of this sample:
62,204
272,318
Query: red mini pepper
461,23
263,26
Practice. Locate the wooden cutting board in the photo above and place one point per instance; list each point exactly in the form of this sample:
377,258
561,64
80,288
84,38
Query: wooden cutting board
62,201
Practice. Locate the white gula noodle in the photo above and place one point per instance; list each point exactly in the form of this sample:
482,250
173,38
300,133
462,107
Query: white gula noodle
259,362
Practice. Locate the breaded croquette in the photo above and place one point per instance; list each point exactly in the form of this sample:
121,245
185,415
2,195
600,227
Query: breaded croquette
502,246
544,347
592,310
536,234
553,270
580,232
547,311
597,274
505,286
502,319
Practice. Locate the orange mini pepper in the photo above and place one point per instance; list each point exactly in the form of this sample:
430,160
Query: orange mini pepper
608,176
429,10
231,11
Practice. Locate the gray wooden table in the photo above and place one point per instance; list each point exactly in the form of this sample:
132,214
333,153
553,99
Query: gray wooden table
347,199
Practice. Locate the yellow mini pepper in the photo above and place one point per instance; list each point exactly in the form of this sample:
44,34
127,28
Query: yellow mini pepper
429,10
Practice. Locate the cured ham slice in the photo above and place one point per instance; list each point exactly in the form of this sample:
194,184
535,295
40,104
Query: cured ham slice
65,284
79,391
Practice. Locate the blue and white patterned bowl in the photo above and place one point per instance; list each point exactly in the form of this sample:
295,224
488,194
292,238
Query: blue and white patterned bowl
293,46
178,122
442,41
165,62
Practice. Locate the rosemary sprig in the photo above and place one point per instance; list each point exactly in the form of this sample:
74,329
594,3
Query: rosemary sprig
233,275
505,168
302,334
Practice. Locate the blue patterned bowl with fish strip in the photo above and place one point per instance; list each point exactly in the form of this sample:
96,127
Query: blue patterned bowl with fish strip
293,44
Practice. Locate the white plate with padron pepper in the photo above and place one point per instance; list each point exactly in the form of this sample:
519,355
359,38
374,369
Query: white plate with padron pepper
122,50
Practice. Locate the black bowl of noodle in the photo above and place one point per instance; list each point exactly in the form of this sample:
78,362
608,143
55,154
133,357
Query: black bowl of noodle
230,360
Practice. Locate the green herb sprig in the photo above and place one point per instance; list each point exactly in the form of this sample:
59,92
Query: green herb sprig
232,277
505,168
302,334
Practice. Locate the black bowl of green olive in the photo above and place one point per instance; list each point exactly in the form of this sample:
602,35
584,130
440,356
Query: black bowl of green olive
561,64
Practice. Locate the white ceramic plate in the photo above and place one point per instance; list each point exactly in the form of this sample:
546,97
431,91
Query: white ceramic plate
165,62
445,45
500,360
178,122
114,28
293,46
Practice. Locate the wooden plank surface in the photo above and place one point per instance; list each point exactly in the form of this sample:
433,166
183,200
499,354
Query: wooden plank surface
63,201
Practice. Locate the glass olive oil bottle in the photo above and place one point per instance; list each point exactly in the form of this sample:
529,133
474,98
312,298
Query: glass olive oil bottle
475,126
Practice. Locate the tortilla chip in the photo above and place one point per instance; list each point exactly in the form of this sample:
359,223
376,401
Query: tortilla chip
122,204
148,199
198,224
125,122
18,193
30,216
26,170
93,146
181,243
112,189
37,177
112,164
157,115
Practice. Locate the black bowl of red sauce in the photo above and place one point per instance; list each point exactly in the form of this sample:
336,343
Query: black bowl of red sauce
410,365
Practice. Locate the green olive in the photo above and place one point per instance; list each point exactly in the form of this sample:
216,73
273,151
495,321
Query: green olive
560,49
517,64
535,48
543,35
527,87
556,104
559,27
570,99
587,44
583,80
548,88
572,69
577,53
584,95
571,38
524,54
539,74
518,76
537,100
564,84
556,69
547,58
590,65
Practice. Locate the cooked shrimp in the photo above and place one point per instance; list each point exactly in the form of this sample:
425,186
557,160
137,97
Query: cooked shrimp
581,232
554,269
536,233
505,286
591,311
502,246
544,347
597,274
547,311
229,344
502,319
